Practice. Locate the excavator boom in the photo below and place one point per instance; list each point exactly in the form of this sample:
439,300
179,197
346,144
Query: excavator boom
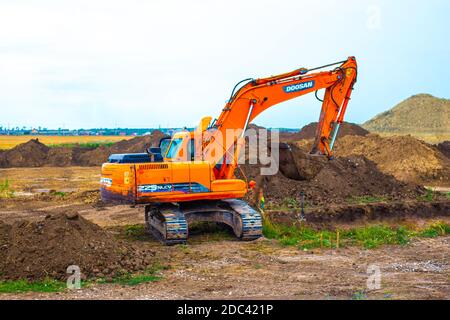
258,95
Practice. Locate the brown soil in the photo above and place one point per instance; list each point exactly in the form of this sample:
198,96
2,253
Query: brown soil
217,266
335,181
29,154
265,270
330,216
309,132
406,158
35,154
45,248
444,147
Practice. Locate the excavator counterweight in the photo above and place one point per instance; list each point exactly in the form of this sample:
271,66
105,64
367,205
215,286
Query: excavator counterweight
191,176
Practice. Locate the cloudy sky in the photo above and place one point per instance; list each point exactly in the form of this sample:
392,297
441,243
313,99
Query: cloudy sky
165,63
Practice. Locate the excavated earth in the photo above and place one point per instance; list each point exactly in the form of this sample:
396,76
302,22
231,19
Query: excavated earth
406,158
325,182
45,248
444,147
35,154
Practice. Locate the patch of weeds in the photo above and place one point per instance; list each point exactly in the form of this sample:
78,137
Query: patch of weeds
366,200
5,189
84,145
448,195
388,296
428,196
59,193
288,203
435,230
304,238
369,237
133,279
359,295
374,236
184,248
136,232
18,286
258,266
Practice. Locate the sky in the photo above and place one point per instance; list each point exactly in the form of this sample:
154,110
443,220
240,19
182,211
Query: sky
144,64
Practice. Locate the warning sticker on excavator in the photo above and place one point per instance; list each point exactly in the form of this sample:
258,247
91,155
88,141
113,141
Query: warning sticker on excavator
299,86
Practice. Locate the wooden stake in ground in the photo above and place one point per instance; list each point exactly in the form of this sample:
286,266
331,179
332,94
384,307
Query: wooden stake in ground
337,239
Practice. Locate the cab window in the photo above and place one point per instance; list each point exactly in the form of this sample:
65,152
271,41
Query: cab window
174,148
191,150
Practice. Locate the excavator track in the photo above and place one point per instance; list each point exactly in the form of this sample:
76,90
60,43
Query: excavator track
169,222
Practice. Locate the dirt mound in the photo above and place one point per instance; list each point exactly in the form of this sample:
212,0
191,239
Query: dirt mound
35,250
404,157
30,154
346,129
337,181
35,154
444,147
419,113
136,145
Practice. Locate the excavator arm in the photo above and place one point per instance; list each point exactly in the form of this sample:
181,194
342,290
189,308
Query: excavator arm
258,95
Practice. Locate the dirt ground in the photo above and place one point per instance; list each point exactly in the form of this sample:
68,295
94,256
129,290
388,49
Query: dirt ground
219,267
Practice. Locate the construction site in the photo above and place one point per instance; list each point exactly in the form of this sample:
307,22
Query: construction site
223,151
381,201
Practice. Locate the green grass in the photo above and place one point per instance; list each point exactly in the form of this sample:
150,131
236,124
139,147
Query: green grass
369,237
58,193
5,189
435,230
359,295
134,279
428,196
89,145
288,203
375,236
448,195
19,286
136,232
304,238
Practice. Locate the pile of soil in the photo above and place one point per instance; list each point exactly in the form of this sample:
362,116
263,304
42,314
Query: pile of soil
35,154
136,145
309,132
36,250
324,182
406,158
418,114
29,154
444,147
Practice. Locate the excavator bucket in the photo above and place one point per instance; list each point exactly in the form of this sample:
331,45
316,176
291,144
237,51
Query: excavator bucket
298,164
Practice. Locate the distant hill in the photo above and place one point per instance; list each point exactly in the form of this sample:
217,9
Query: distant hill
422,115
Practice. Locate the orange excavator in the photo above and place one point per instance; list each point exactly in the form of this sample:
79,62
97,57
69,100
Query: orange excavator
191,176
